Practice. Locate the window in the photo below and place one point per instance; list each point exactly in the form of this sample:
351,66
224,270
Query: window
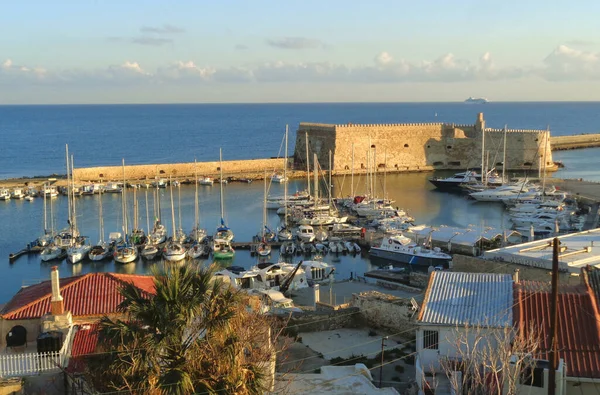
533,376
430,339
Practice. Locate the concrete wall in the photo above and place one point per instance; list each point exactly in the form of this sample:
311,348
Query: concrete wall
385,311
324,320
427,146
249,168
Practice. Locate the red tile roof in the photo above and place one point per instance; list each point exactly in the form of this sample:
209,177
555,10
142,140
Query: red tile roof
91,294
85,342
578,324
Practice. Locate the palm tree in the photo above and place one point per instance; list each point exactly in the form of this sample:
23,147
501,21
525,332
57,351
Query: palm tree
193,335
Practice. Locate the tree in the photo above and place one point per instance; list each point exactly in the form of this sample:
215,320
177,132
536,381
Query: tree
194,335
489,360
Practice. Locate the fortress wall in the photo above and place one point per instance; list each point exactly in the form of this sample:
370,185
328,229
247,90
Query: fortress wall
254,167
407,147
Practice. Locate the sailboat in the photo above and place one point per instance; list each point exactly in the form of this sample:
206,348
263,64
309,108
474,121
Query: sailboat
101,250
222,248
159,232
264,248
125,253
79,247
52,251
283,233
173,251
149,250
197,249
46,238
138,236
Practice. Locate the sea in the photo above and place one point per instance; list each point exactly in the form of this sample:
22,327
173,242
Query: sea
34,138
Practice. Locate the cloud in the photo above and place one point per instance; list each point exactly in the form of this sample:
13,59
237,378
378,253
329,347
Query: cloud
153,41
164,29
568,64
295,43
580,43
563,64
241,47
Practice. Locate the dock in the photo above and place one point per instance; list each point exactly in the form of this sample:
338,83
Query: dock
560,143
29,249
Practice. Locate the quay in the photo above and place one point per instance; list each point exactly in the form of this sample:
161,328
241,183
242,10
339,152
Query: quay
559,143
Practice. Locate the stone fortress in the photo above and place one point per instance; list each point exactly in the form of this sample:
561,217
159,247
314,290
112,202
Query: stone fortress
421,147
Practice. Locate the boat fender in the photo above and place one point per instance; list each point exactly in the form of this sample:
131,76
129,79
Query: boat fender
363,232
389,241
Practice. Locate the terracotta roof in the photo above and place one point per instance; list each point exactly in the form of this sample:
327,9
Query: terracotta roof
578,324
85,342
591,276
87,295
454,298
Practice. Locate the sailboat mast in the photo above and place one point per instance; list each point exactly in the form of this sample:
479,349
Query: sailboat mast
307,165
504,158
68,189
73,196
544,163
285,184
124,199
45,215
221,182
482,156
147,212
385,175
101,219
352,175
179,205
316,180
329,189
51,217
374,173
172,208
196,208
265,205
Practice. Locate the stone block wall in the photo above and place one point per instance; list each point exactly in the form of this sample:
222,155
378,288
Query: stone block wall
385,311
325,320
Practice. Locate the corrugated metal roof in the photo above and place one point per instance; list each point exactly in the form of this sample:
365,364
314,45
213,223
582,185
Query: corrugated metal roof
578,324
592,276
468,298
88,295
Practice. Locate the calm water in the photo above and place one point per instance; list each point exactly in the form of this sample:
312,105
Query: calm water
34,138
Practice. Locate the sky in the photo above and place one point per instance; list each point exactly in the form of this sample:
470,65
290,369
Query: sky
134,51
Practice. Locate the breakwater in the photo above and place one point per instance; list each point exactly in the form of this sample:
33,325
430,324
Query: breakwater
559,143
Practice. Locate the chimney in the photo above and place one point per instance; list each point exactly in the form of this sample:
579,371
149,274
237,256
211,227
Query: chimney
516,276
56,303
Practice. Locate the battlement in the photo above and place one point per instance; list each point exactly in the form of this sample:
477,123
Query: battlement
515,131
386,125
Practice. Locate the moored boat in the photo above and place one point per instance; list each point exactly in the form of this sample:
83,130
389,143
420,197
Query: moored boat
401,249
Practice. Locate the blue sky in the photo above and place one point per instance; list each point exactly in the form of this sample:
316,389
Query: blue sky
269,51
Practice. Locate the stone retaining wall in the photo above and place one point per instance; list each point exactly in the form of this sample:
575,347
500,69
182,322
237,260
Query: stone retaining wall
385,311
573,142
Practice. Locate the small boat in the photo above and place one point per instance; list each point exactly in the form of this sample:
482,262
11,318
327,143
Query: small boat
52,252
197,250
279,178
29,198
222,249
149,252
17,193
125,254
287,248
99,252
4,194
284,234
113,187
264,249
206,181
161,183
174,251
306,233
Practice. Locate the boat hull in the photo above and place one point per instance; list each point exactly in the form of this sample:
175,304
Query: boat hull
447,186
410,259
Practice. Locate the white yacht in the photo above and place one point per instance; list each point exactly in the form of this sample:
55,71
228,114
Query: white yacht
206,181
476,100
17,193
402,249
454,182
279,178
317,271
306,233
4,194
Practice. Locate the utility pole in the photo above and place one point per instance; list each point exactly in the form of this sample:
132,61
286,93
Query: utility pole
553,354
383,339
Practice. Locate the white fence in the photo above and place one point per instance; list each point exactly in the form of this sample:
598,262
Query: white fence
33,363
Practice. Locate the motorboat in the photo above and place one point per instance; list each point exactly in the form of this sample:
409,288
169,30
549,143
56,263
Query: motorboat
322,220
160,183
4,194
274,302
263,249
222,249
279,178
49,191
287,248
317,271
29,198
17,193
454,182
113,187
400,248
306,233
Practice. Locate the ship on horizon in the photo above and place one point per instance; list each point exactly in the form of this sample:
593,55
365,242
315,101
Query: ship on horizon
476,100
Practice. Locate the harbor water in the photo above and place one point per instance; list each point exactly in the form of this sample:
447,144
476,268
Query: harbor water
101,135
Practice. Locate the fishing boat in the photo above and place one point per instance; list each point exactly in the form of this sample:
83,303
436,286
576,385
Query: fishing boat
17,193
100,250
113,187
279,178
401,249
222,249
29,198
206,181
126,252
306,233
4,194
173,251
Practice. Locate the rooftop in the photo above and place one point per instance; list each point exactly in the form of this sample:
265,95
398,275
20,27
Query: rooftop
85,342
92,294
454,298
578,324
577,251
